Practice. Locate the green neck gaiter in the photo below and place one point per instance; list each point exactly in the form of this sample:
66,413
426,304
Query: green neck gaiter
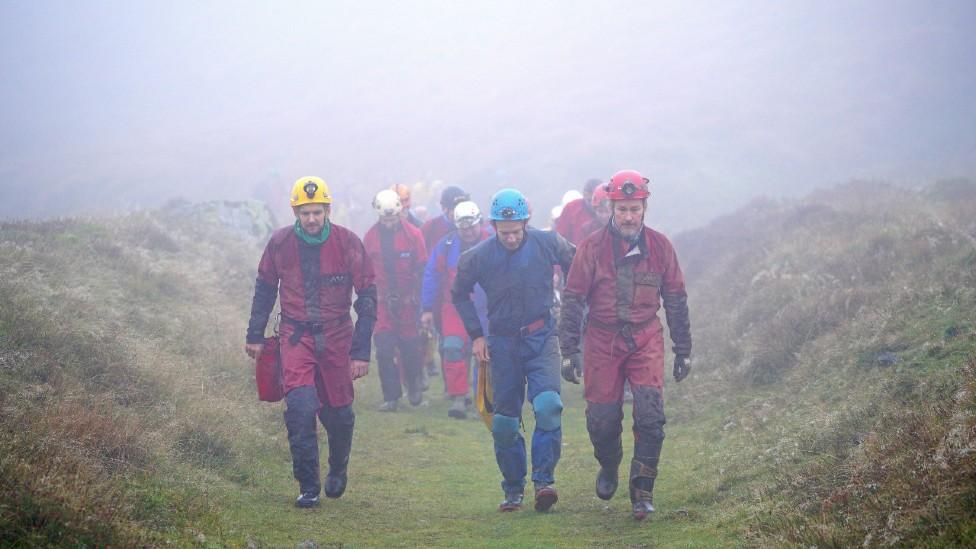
313,240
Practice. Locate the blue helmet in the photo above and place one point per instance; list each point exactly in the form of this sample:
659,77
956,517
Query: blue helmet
509,205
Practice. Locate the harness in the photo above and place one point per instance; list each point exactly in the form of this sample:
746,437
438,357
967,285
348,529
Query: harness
315,328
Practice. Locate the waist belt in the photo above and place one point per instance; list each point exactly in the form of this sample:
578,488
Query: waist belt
529,328
317,329
621,328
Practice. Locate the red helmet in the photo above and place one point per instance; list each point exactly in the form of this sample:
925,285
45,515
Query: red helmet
627,185
599,195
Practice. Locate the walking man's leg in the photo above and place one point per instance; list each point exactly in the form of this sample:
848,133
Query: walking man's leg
301,405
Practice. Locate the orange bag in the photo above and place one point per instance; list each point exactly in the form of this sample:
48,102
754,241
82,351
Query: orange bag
267,371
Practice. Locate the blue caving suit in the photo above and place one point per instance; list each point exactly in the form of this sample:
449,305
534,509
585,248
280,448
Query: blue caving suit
522,345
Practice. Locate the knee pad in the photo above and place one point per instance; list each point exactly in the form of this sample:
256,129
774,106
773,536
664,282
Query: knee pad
548,408
648,412
604,420
342,416
452,348
302,400
504,430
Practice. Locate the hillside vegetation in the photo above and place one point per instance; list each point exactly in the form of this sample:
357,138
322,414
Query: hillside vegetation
832,402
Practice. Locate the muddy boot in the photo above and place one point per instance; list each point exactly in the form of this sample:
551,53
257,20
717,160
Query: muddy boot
307,500
459,409
339,424
545,498
641,488
300,406
512,502
606,482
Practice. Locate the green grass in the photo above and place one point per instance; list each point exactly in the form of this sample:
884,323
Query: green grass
122,377
420,478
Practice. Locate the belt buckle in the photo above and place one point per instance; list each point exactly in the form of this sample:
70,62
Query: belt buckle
318,326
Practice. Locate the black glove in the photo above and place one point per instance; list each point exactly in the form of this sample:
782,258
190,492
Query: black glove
573,368
682,367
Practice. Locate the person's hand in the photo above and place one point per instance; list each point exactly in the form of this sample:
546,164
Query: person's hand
479,348
573,368
682,367
427,320
253,349
359,368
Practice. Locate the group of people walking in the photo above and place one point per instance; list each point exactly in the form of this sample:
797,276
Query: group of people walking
486,290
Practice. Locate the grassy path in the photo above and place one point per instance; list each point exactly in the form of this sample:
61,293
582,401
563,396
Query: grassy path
421,479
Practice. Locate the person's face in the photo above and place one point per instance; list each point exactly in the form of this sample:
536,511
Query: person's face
389,221
587,197
602,211
405,202
312,217
470,234
629,215
510,233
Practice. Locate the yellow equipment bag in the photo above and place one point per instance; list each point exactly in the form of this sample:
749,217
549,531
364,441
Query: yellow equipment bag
483,400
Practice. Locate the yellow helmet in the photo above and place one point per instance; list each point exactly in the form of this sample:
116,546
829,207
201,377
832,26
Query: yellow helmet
310,190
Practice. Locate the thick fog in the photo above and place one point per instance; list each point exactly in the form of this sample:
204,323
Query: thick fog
106,106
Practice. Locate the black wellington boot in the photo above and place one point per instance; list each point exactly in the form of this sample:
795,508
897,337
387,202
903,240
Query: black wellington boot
606,482
642,478
339,425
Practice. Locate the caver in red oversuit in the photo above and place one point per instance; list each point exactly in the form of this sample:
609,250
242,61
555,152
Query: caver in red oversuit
398,254
314,274
623,277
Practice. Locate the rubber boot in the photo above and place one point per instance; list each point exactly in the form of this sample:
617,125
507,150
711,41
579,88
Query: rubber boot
606,482
339,424
642,477
301,405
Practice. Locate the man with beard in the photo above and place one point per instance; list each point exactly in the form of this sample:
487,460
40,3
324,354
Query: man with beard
623,273
516,270
315,265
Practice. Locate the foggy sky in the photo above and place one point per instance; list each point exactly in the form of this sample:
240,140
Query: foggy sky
107,105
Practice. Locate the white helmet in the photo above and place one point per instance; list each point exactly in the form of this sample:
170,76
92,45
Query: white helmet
387,203
571,196
466,214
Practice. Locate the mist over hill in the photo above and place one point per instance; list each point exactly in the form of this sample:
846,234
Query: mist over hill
107,107
831,402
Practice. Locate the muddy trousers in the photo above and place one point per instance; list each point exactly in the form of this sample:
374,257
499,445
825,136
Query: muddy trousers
604,422
301,408
411,358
